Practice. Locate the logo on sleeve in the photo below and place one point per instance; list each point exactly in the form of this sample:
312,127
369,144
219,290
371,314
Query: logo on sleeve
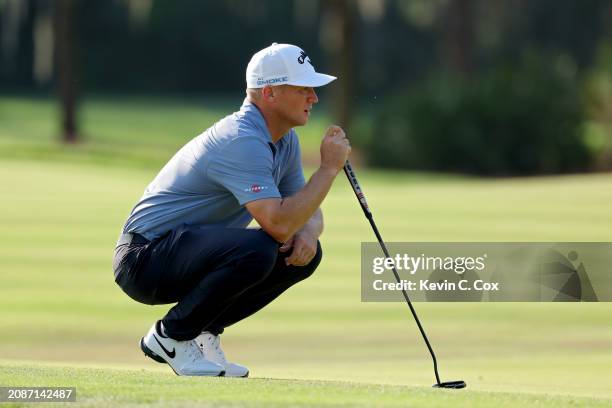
255,188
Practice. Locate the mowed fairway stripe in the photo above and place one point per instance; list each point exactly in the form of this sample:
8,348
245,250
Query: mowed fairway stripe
58,301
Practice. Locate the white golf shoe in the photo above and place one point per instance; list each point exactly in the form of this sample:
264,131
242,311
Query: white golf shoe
185,357
211,347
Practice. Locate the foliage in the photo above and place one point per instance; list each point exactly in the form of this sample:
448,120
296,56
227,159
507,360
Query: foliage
598,98
513,120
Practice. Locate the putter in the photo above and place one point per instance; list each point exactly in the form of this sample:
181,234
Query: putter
350,174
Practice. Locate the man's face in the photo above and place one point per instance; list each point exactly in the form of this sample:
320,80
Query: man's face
294,103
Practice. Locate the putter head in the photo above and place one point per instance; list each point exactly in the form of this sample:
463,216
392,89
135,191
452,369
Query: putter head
451,384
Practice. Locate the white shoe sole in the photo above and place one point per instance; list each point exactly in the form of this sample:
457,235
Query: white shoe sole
237,376
153,355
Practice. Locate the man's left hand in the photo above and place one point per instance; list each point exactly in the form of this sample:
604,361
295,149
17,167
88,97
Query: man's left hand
304,249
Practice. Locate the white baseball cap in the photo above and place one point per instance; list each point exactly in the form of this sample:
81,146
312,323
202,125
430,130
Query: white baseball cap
283,64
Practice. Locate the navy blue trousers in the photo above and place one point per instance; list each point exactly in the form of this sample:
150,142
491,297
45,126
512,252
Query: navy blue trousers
216,276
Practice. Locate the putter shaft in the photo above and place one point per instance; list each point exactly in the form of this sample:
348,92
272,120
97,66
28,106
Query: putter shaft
350,174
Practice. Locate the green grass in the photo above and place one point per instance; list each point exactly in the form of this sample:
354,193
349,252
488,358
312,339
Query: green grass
98,387
63,321
128,131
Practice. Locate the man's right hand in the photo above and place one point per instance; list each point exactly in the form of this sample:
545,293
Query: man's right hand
335,148
282,218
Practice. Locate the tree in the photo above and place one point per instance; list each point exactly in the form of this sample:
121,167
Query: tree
458,36
338,32
65,67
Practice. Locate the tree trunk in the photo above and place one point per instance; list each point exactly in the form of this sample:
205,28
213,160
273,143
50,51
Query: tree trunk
458,32
24,61
340,31
66,80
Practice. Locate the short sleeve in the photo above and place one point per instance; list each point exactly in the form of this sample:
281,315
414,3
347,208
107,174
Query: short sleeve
293,179
245,168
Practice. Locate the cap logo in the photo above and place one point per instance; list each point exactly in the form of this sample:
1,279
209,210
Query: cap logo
271,81
303,57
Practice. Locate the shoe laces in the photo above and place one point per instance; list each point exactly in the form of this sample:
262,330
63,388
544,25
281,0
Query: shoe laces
194,352
213,351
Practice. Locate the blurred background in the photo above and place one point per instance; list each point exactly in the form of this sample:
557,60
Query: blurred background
471,120
505,88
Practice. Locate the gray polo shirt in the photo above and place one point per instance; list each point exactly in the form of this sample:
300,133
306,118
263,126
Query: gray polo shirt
213,176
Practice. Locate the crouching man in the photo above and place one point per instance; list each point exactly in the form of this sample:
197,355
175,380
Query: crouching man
186,240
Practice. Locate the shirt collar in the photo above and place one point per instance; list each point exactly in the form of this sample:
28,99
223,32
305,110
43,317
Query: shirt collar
252,112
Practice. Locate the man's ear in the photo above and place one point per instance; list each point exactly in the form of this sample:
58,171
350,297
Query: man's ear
268,93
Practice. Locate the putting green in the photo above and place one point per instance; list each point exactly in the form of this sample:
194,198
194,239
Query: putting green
60,311
103,387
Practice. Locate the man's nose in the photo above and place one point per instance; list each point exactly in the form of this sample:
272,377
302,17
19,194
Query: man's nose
313,96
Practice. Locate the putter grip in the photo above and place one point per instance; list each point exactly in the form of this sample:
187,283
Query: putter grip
350,174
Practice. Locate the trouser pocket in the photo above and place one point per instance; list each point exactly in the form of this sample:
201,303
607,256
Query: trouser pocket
131,277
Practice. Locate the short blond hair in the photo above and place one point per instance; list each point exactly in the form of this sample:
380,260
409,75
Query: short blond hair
254,94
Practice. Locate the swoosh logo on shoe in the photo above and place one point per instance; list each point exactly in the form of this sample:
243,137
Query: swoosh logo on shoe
170,354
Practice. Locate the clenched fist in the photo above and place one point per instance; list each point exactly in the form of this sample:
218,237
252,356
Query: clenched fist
335,148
